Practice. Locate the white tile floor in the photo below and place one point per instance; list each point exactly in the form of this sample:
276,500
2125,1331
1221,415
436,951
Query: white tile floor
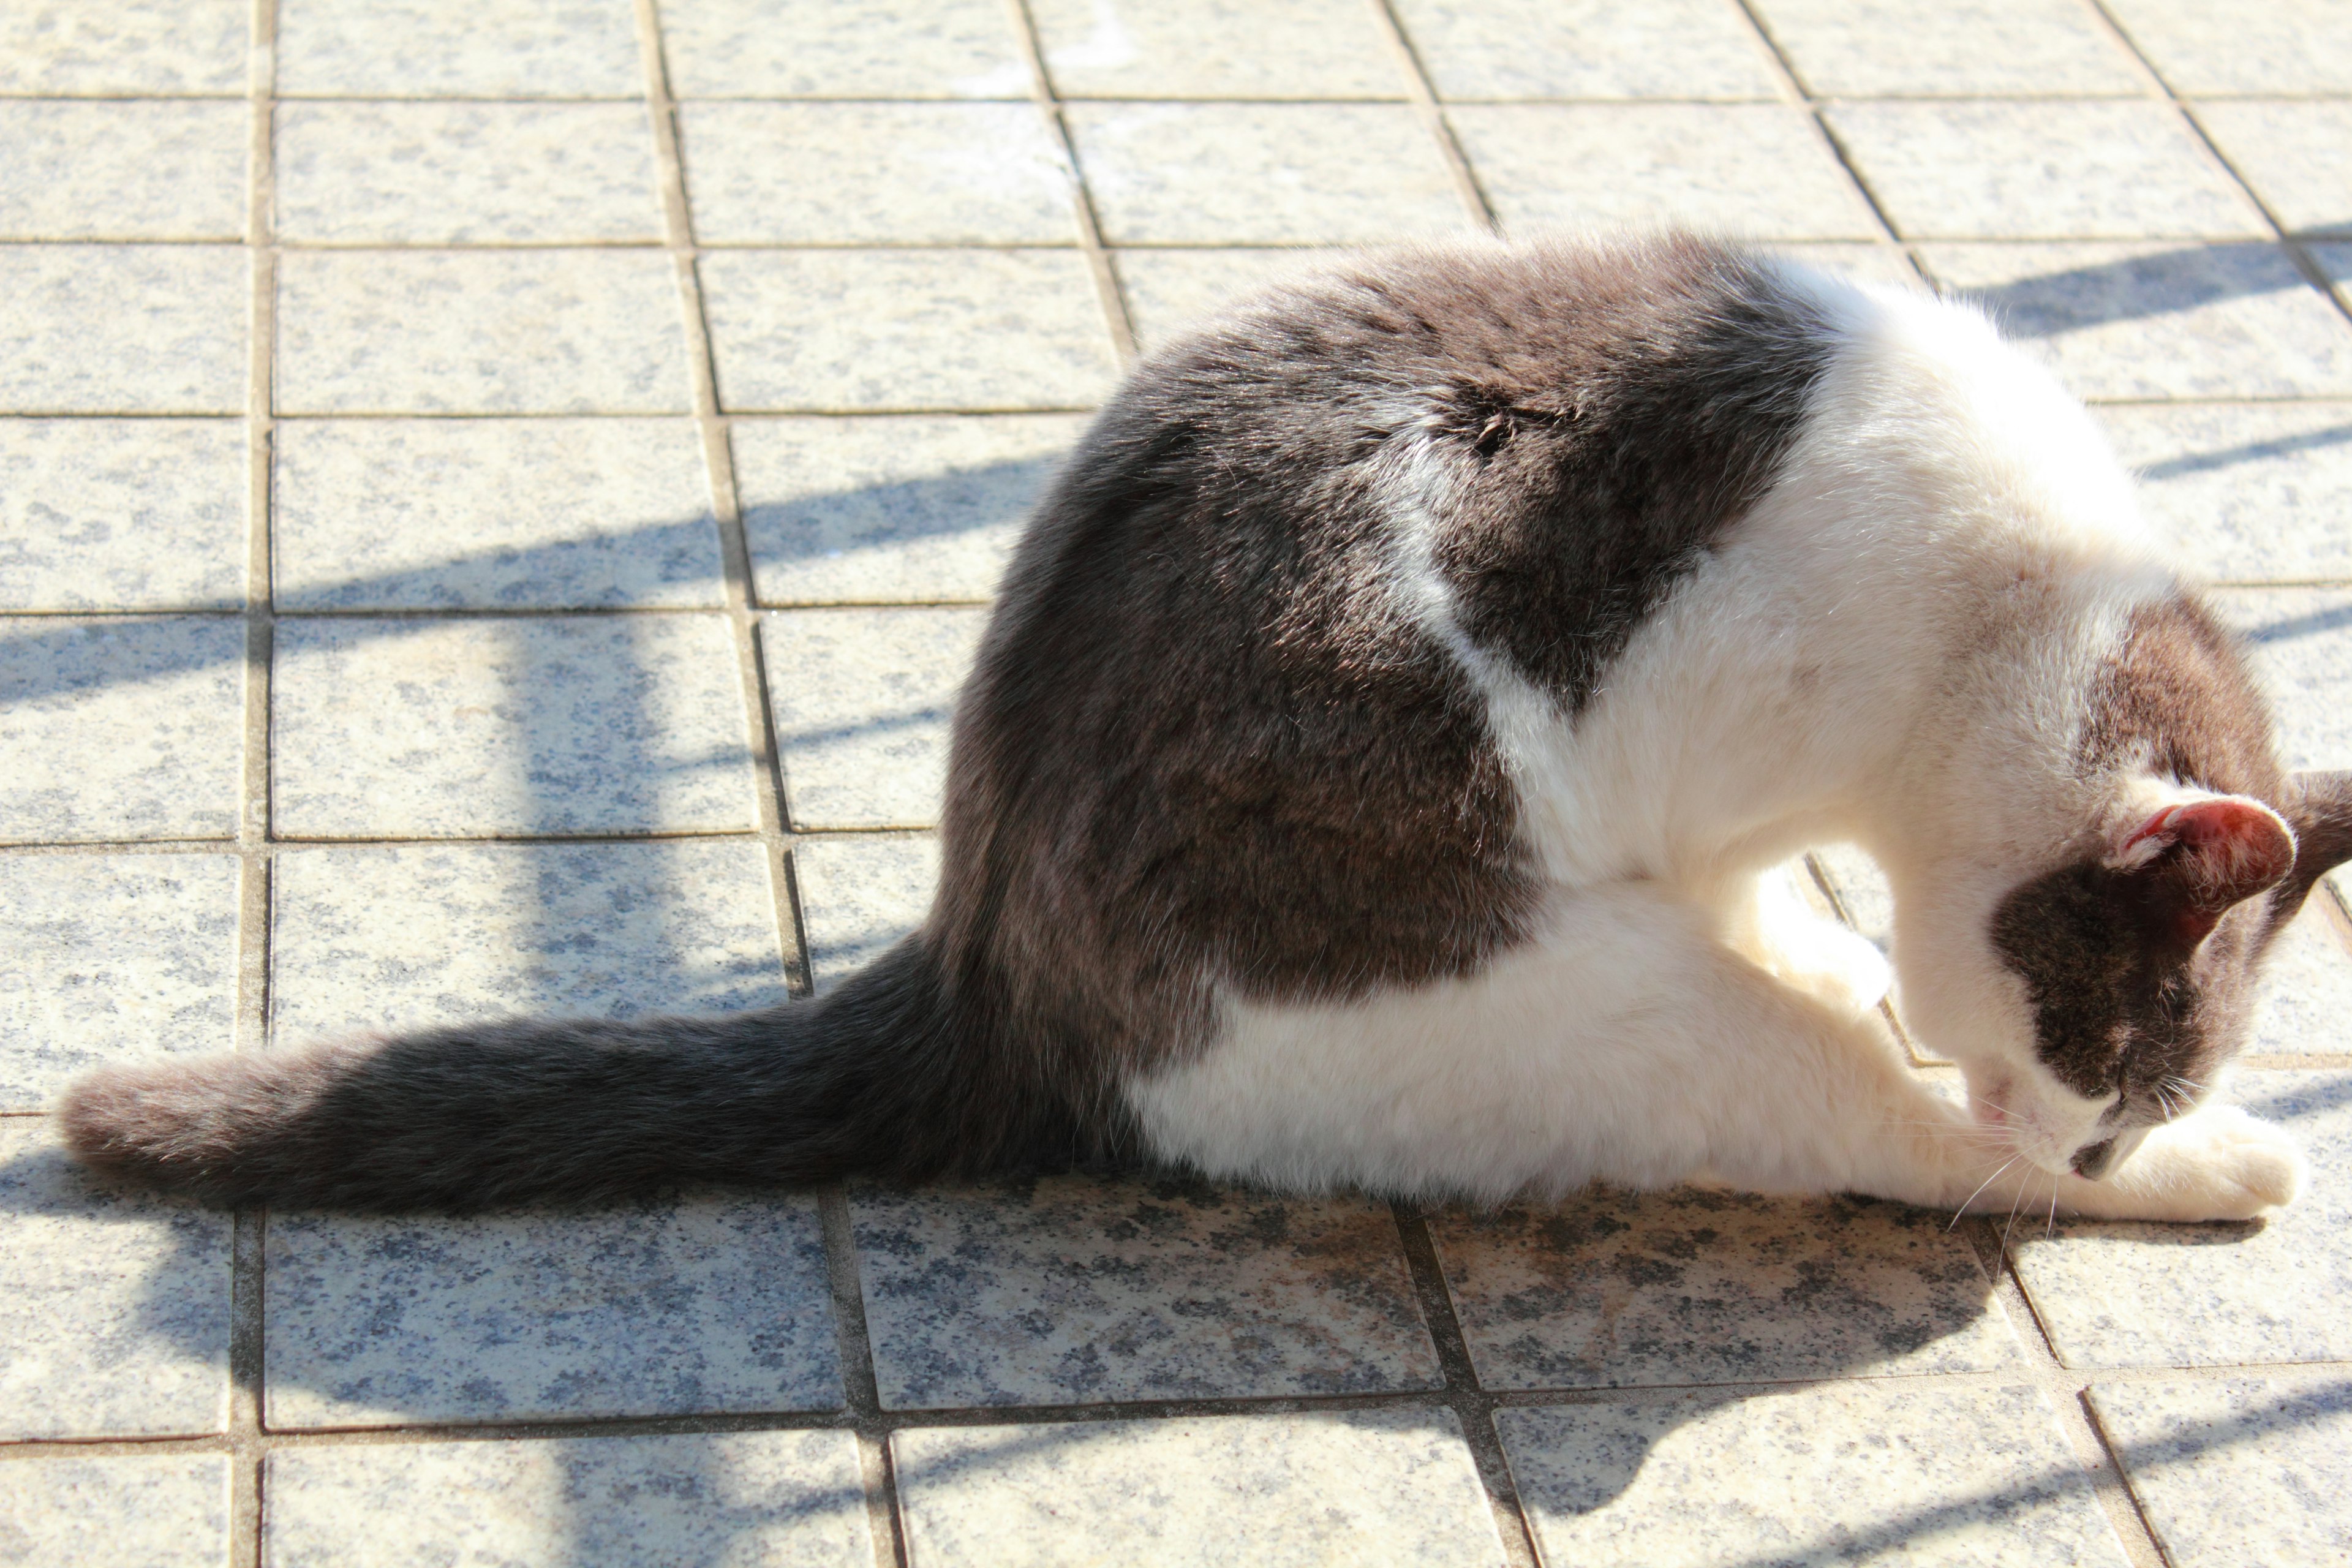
426,424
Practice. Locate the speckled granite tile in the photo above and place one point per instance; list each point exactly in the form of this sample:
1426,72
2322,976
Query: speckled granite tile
1368,1489
852,330
113,1305
384,937
2302,642
2159,321
701,1305
2285,46
124,47
2336,265
1761,170
470,728
2293,155
862,701
465,174
121,514
842,49
2041,170
494,514
1948,49
155,170
111,957
1587,48
2246,1473
2247,492
167,1510
2116,1294
1075,1290
1863,261
859,894
457,48
875,174
485,332
2306,1006
1619,1289
741,1498
119,729
1169,290
894,509
1216,49
123,329
1847,1473
1262,173
1861,890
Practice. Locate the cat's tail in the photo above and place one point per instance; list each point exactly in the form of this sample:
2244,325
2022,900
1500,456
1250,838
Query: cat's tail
874,1078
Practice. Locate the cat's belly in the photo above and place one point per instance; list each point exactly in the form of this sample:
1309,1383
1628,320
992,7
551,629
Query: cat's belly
1567,1059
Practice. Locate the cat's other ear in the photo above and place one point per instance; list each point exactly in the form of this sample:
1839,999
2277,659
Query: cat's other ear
2191,860
2321,812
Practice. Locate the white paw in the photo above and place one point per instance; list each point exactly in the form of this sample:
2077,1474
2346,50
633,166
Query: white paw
2215,1163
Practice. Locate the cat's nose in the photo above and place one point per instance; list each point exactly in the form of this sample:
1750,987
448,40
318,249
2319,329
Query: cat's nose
2092,1161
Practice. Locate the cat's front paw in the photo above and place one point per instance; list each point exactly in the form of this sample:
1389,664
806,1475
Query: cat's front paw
2214,1164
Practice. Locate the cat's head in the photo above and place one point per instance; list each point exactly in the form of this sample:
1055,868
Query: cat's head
2096,989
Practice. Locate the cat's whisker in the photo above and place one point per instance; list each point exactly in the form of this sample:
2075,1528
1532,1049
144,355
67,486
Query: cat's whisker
1989,1180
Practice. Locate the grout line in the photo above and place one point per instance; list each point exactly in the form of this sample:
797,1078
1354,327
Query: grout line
742,603
1116,316
1471,1406
1423,93
248,1282
861,1392
1793,88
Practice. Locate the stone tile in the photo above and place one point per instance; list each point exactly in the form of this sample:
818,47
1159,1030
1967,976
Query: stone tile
875,174
470,728
167,1510
465,174
457,48
121,514
1262,173
1216,48
860,331
2286,48
1619,1289
1948,49
119,729
689,1497
701,1305
113,1305
2159,321
1169,290
2294,154
1867,902
123,328
858,895
1078,1290
1874,264
494,514
842,49
2248,1471
1759,170
1846,1473
2336,265
112,957
125,46
2306,1006
2045,169
2116,1294
862,701
167,170
895,508
1370,1489
2246,492
404,936
1587,48
2301,644
513,332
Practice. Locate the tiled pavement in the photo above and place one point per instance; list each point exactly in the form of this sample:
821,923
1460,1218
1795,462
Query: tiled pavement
495,498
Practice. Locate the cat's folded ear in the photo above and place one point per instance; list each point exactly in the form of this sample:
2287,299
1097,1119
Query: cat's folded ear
2321,811
2191,860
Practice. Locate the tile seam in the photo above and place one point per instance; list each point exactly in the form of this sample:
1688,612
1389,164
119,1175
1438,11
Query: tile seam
1797,96
1422,90
1119,320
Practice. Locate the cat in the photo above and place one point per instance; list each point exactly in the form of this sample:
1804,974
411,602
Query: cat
1370,774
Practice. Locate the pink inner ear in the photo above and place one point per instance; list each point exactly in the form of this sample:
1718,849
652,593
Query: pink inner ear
2233,847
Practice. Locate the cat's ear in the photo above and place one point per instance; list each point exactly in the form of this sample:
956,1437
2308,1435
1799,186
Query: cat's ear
2192,859
2322,813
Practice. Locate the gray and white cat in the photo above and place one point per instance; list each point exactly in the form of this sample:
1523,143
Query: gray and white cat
1369,774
